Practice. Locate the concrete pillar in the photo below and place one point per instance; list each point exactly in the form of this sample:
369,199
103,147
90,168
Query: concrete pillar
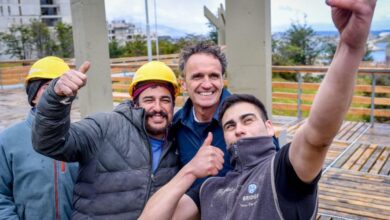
91,44
218,21
248,41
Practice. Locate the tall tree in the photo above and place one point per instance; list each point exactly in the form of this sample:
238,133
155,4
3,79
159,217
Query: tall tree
65,40
298,45
43,43
137,47
18,42
115,50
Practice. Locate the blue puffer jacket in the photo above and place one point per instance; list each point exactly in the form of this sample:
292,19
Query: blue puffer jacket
32,186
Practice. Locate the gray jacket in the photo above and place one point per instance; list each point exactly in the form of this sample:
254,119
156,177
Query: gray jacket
115,178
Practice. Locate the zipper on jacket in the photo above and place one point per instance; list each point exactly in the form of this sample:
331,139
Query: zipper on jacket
235,154
63,167
151,176
56,200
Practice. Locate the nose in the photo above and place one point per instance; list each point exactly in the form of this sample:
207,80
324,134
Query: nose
239,130
206,84
157,106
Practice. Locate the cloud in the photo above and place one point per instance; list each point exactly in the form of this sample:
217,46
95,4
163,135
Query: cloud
185,15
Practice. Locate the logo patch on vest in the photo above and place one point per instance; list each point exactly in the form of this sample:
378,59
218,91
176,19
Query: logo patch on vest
252,188
251,197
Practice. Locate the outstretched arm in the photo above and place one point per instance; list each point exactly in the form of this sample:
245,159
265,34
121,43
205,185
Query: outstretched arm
170,202
311,142
52,133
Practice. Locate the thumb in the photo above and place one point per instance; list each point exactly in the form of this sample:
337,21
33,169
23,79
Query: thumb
208,140
84,67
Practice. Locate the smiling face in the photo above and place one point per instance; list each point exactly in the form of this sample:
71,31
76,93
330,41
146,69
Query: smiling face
203,80
158,104
242,120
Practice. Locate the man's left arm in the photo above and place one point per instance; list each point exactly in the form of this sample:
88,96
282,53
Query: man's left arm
311,142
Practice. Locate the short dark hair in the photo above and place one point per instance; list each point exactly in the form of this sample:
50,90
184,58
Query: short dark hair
238,98
203,47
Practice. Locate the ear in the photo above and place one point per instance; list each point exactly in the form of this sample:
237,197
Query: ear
270,128
183,84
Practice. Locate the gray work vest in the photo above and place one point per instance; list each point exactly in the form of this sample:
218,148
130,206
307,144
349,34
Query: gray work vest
248,191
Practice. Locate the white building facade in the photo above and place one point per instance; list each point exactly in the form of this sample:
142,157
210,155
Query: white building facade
22,12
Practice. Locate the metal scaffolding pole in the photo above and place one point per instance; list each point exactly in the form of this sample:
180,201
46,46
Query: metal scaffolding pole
155,29
149,43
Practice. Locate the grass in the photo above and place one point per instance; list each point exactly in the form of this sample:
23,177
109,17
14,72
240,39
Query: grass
9,65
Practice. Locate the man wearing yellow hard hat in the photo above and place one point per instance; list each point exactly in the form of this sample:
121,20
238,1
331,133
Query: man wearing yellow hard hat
125,155
33,186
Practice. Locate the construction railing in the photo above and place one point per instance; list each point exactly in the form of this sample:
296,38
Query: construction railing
369,99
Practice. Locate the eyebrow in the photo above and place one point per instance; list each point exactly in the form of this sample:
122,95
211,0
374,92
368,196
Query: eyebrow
153,97
241,118
247,115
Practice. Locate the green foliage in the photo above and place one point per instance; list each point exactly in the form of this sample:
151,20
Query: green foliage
137,47
297,46
18,41
42,41
213,34
114,49
36,38
65,40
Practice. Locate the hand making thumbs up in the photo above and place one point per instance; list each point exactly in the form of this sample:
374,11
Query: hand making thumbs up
71,81
208,161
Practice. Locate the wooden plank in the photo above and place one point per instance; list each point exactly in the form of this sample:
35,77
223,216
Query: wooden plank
315,86
359,129
380,162
371,161
363,159
345,127
352,160
347,155
386,169
354,193
344,210
359,201
310,97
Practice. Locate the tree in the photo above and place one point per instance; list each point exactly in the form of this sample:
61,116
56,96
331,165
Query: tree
298,45
43,43
213,34
137,47
115,50
65,40
18,41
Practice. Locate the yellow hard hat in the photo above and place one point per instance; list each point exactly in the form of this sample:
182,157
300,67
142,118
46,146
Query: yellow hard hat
47,68
154,71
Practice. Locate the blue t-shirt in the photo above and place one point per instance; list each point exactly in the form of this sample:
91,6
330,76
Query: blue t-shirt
156,151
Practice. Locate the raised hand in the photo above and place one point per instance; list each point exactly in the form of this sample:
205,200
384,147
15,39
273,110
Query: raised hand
208,161
71,81
352,18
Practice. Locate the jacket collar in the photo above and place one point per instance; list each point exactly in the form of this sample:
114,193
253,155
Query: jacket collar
185,113
30,117
249,152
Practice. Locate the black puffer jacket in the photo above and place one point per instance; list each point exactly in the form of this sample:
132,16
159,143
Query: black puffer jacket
115,177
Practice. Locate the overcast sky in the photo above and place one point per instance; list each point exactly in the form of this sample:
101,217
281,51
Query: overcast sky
187,15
